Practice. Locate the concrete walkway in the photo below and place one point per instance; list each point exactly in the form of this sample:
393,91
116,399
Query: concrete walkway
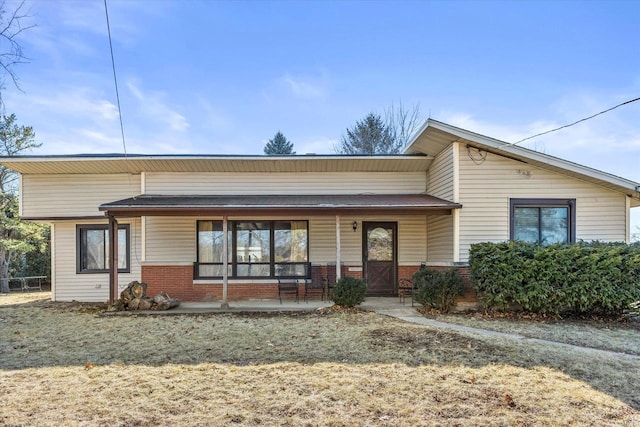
409,314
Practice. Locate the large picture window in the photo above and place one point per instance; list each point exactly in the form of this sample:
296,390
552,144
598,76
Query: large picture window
92,248
257,249
543,221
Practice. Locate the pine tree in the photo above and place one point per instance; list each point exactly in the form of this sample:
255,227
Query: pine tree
279,146
16,236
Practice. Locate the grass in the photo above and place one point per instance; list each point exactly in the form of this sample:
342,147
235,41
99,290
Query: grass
622,337
64,364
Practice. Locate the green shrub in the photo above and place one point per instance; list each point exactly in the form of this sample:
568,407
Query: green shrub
582,278
349,292
438,288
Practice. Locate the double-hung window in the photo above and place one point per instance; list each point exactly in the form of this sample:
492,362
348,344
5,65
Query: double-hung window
257,249
543,221
92,248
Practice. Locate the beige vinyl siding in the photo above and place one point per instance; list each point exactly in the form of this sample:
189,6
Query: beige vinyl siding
440,241
485,190
441,175
171,240
47,196
322,239
86,287
285,183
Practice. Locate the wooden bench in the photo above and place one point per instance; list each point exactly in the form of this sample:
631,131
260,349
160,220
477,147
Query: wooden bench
288,286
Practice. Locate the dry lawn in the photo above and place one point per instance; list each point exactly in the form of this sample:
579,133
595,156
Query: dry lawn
622,337
64,364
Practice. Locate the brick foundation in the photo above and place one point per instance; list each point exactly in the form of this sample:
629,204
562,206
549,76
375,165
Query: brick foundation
177,281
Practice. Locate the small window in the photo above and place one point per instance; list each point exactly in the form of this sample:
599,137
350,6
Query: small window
93,248
543,221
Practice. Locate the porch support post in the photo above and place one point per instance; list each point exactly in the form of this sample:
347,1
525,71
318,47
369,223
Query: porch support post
338,263
225,262
113,259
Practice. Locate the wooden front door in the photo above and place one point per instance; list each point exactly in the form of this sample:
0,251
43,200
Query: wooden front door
379,257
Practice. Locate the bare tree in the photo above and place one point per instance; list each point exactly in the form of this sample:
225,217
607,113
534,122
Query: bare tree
369,136
402,123
375,135
12,25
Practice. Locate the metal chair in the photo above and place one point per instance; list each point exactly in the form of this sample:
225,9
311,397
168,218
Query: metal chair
406,288
288,286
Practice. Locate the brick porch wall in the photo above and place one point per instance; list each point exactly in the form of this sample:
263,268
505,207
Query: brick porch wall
177,281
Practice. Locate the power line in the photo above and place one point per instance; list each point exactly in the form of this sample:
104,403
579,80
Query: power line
115,80
576,122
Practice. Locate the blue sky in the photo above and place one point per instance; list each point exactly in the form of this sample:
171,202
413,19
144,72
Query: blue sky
224,77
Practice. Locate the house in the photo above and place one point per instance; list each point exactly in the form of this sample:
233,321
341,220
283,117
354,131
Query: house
163,218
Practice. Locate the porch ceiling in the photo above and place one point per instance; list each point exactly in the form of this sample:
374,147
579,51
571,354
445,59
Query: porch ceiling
150,205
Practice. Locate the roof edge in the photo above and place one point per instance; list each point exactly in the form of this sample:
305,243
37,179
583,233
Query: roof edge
257,157
533,155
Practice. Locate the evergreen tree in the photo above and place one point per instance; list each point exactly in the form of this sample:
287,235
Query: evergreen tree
17,237
279,146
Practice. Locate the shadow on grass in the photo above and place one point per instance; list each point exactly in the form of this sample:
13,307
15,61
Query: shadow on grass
43,334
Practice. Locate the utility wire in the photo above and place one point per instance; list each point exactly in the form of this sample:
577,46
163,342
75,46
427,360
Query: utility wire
124,144
115,80
576,122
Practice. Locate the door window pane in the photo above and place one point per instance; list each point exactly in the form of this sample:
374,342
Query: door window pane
380,244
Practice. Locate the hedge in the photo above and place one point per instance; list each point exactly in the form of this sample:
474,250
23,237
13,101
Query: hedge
438,288
349,292
582,278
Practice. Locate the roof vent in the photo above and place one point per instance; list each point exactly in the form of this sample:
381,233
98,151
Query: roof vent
310,154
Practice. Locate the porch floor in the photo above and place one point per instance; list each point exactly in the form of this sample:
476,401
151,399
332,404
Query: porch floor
274,306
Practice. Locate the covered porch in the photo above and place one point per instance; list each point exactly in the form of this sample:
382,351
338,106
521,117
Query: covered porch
380,238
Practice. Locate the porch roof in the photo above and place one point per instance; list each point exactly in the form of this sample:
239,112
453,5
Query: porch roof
165,205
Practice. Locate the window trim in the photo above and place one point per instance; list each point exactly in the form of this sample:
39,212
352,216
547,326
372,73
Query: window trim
233,255
80,252
544,203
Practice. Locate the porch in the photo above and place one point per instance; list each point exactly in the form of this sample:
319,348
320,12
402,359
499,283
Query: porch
310,238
